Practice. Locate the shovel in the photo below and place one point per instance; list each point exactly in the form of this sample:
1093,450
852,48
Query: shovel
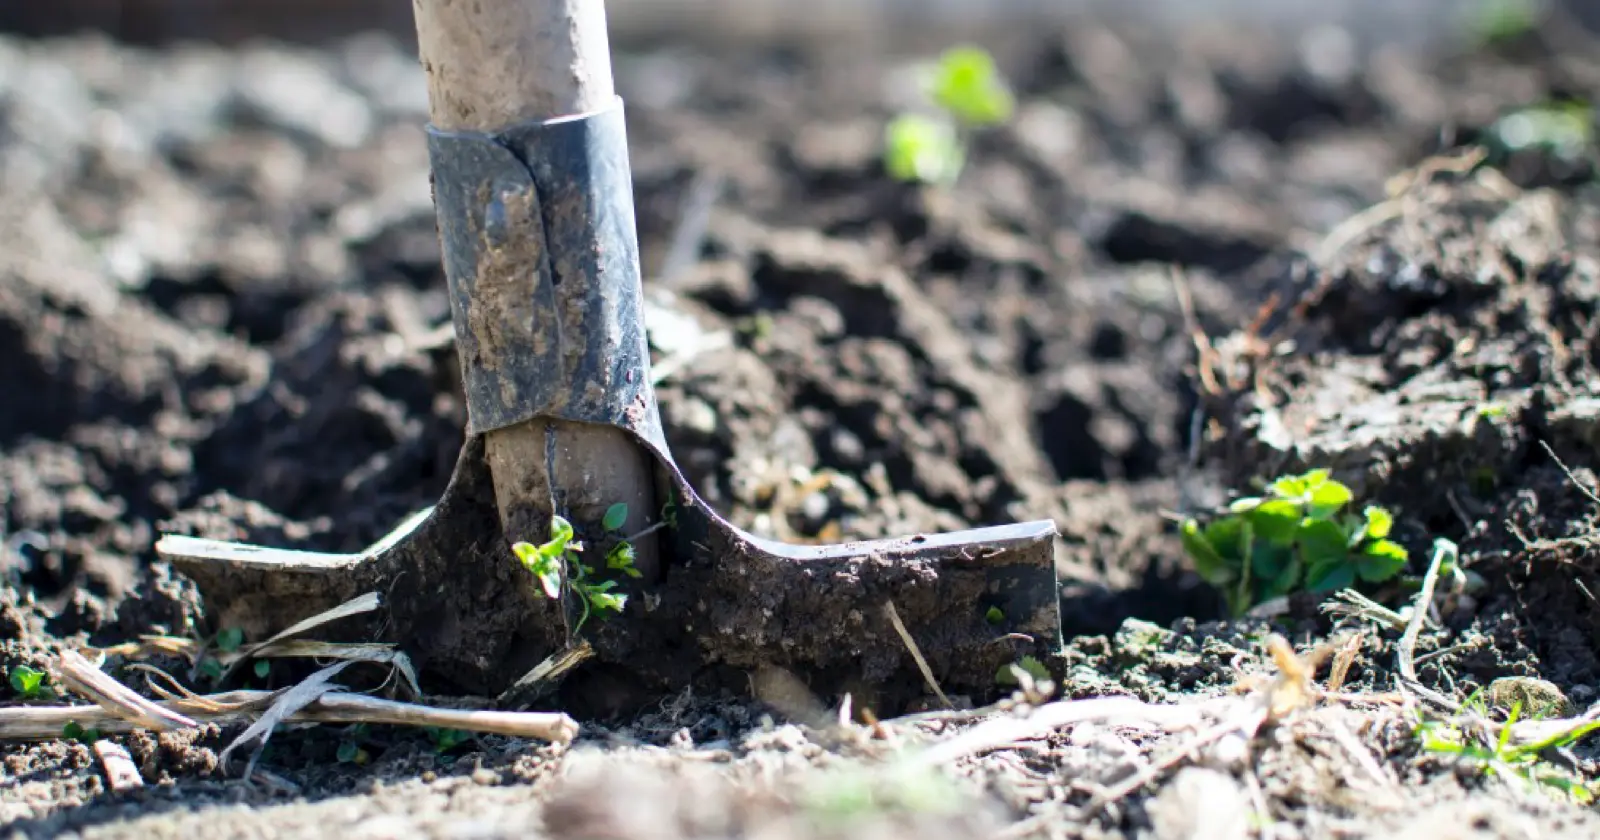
533,198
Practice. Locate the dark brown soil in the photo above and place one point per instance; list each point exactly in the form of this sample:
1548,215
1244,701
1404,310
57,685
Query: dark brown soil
220,314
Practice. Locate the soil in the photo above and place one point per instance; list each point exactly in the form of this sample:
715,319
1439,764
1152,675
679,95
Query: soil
221,307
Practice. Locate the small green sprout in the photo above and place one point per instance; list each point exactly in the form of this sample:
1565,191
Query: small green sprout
262,668
994,615
28,682
919,148
967,84
445,740
1295,537
350,750
1562,129
1468,739
1029,664
557,563
1502,21
969,93
229,639
74,731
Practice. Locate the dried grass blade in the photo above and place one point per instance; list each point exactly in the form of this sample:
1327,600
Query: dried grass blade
286,704
379,653
85,679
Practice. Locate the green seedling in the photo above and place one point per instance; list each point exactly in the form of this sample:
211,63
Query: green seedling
557,565
74,731
1563,130
445,740
28,683
1296,537
350,750
229,639
1502,21
1496,755
967,93
1029,664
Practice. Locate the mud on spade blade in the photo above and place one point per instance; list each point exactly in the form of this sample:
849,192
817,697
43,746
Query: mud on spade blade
541,254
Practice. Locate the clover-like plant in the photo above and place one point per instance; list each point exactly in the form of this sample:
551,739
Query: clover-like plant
29,683
557,563
1296,537
968,93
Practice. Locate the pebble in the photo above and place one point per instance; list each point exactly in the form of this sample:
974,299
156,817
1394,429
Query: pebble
485,777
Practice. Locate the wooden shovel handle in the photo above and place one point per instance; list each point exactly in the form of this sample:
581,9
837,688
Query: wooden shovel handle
492,65
495,63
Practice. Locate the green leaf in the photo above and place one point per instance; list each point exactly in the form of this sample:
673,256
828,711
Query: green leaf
1227,536
1379,522
1271,561
1245,504
550,582
230,639
1328,498
1285,581
1208,562
1029,664
1322,540
445,740
560,530
917,148
1299,486
621,557
27,681
1272,564
968,85
74,731
1381,560
616,516
262,668
994,615
350,752
608,601
1276,521
1330,576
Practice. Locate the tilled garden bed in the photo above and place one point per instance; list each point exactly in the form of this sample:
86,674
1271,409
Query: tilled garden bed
222,314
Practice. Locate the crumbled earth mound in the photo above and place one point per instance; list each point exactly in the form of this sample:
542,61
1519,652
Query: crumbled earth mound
222,313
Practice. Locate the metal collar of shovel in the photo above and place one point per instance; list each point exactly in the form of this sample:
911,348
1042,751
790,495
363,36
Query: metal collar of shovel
545,210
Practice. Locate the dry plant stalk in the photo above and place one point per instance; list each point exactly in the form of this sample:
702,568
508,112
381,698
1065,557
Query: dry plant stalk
113,697
916,653
44,723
